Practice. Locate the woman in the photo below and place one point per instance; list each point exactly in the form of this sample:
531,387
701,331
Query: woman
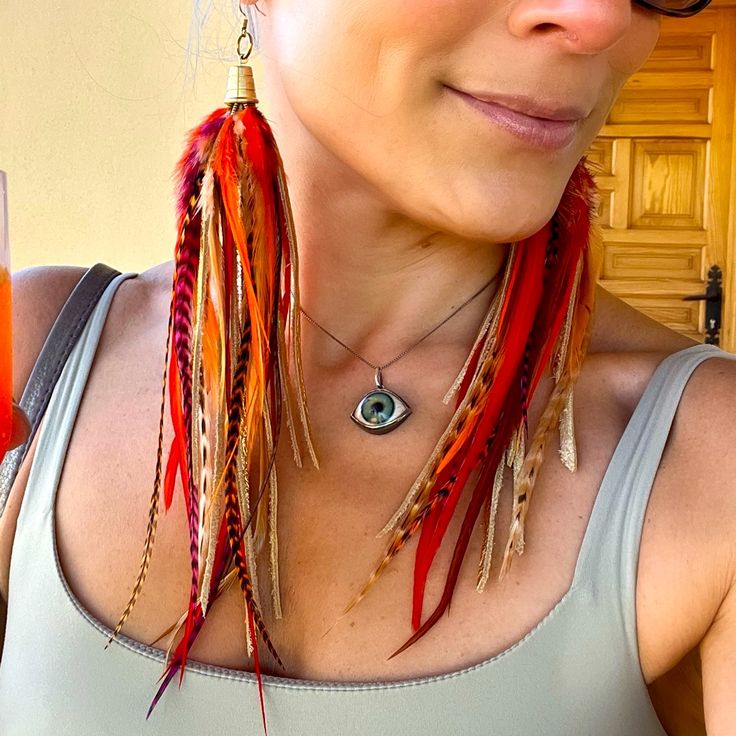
406,199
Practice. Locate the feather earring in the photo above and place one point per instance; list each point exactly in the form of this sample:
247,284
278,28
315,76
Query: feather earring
230,374
543,314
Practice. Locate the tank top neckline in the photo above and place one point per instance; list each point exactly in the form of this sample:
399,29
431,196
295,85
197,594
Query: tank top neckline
220,671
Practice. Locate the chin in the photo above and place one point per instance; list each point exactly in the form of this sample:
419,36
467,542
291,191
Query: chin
499,197
500,215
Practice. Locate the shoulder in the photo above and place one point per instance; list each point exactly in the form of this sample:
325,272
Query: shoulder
142,302
40,292
703,439
705,435
698,465
700,448
619,328
38,295
627,346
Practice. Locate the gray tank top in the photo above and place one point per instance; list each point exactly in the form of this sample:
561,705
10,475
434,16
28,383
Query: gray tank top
576,672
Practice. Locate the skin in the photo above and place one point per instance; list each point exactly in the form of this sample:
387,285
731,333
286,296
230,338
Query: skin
413,187
404,203
21,427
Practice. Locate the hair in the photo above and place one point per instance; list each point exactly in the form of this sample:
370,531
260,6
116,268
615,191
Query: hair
202,9
252,11
202,12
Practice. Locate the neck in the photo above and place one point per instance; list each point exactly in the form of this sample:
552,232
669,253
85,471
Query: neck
379,286
373,277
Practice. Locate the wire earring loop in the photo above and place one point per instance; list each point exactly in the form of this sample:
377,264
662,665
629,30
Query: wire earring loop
244,34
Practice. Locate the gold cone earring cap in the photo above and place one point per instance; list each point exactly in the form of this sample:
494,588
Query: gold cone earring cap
241,88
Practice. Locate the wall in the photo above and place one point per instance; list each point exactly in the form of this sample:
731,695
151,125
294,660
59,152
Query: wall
95,102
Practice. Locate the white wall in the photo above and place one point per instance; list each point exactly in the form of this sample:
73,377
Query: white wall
94,109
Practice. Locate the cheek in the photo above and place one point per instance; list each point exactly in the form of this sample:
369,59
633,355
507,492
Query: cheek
627,56
366,53
362,76
359,70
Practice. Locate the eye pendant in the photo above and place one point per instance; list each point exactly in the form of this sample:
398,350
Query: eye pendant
380,410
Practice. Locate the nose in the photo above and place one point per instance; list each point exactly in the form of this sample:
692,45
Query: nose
577,26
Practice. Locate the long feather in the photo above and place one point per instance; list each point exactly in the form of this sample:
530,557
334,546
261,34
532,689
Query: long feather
233,366
495,391
410,515
582,227
188,181
230,372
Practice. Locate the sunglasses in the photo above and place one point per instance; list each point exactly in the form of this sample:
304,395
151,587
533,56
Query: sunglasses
675,8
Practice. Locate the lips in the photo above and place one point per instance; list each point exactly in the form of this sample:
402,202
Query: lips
533,107
542,124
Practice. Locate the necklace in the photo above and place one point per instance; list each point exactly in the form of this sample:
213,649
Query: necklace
381,410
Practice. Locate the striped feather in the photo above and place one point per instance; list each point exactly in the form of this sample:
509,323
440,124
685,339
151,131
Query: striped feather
496,388
187,175
229,370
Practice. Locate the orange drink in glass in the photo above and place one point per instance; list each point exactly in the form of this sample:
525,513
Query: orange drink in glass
6,340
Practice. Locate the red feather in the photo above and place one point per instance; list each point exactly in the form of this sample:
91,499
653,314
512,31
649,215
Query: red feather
172,466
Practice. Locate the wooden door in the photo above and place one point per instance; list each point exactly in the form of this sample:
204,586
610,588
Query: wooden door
667,175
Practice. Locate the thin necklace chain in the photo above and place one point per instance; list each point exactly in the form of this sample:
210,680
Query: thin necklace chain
403,353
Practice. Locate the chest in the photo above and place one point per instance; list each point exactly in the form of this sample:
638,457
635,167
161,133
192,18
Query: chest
327,525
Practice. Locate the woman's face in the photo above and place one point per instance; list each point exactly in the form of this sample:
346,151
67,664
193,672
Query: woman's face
370,81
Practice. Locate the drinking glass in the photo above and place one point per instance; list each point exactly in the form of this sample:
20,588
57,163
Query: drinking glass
6,340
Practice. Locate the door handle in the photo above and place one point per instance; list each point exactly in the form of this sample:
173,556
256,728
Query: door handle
713,299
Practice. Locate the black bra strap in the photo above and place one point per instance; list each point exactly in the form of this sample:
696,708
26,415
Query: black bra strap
61,339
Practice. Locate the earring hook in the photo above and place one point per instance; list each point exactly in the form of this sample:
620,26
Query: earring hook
244,34
242,4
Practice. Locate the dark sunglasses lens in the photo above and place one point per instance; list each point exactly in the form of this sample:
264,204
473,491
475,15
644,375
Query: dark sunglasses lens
677,6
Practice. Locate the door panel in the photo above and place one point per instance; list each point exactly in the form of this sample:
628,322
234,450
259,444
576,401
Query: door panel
667,174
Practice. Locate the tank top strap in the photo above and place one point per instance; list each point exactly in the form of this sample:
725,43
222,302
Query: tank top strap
609,555
57,424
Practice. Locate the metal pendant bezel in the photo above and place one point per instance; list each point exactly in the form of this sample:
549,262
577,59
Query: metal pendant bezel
392,424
